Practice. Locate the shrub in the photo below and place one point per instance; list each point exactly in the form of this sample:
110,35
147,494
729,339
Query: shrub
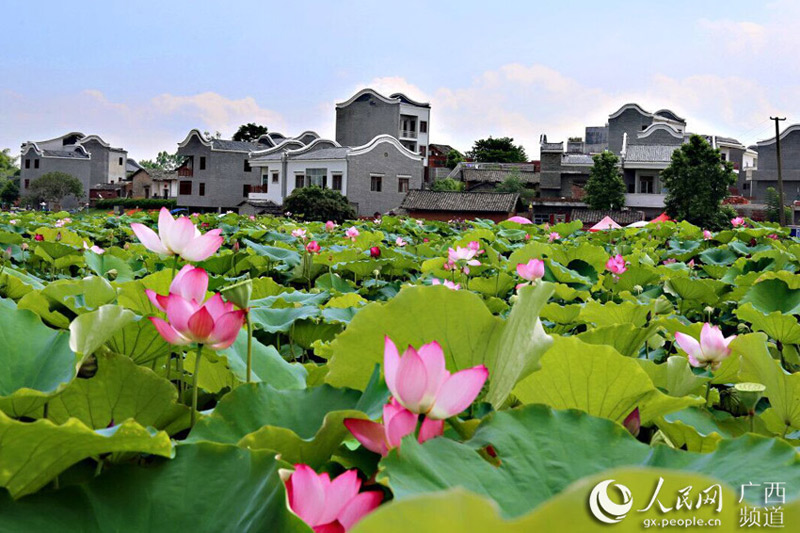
316,203
141,203
447,184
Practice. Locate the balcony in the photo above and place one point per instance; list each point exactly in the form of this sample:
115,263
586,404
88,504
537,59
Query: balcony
645,200
185,172
408,134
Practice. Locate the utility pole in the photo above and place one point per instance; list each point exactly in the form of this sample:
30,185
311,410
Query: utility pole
782,213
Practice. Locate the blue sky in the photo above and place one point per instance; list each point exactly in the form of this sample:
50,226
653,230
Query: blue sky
141,74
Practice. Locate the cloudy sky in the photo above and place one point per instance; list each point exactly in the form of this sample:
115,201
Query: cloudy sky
141,74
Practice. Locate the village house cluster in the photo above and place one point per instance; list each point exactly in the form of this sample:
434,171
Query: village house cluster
382,160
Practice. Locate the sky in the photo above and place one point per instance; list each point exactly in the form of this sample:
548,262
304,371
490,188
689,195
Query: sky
142,74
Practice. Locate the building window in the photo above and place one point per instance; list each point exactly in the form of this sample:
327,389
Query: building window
185,187
202,162
274,177
27,163
245,190
166,192
644,127
299,181
146,191
35,163
27,182
317,177
247,167
337,182
423,126
202,191
724,156
423,150
541,218
120,161
376,183
402,184
264,182
646,184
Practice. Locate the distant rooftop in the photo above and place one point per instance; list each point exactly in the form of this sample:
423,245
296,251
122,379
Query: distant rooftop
478,202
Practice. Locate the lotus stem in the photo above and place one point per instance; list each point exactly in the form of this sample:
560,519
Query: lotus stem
195,381
249,345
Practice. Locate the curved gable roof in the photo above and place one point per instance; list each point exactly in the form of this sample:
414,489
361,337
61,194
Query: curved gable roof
395,98
385,139
628,106
668,113
659,126
791,129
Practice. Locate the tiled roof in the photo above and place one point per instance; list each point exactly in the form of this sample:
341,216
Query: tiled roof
591,216
236,146
576,159
64,153
484,202
324,153
650,153
498,175
444,149
552,147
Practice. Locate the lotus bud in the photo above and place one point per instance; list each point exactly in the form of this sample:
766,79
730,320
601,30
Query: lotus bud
126,246
749,394
633,422
7,253
239,293
58,236
513,299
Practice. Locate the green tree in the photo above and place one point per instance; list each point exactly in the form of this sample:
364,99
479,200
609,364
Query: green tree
514,183
500,150
249,132
8,165
9,192
316,203
447,184
454,157
53,187
697,181
163,161
605,189
774,206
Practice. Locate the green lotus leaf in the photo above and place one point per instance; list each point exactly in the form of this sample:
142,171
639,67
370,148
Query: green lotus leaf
268,365
627,339
675,376
91,330
772,295
782,328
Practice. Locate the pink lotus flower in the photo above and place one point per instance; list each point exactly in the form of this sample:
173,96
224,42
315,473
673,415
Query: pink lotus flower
554,236
299,233
707,235
425,239
616,264
94,248
329,506
670,261
527,236
178,237
191,320
736,222
313,247
59,224
710,351
447,283
520,220
375,252
772,236
532,270
400,242
633,422
38,237
690,263
463,254
330,225
397,423
351,233
13,221
475,246
252,217
422,384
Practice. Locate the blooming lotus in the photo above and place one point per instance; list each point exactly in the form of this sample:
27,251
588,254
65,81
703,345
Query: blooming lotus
38,237
397,423
351,233
707,235
554,236
532,270
313,247
94,248
463,254
192,320
400,242
736,222
476,246
329,506
330,225
710,351
616,264
520,220
447,283
375,252
422,384
178,237
300,233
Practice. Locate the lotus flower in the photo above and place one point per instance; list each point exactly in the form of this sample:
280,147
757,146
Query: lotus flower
710,351
422,384
554,236
375,252
475,246
616,264
707,235
397,423
299,233
400,242
736,222
215,323
13,221
178,237
38,237
329,506
463,254
532,270
94,248
330,225
520,220
313,247
351,233
633,422
447,283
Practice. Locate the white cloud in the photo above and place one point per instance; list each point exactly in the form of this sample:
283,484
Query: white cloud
739,37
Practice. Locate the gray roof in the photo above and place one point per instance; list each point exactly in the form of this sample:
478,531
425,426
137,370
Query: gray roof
65,153
576,159
498,175
591,216
237,146
485,202
552,147
649,153
324,153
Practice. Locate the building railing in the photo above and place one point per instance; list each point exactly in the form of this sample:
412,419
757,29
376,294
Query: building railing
259,188
185,172
408,134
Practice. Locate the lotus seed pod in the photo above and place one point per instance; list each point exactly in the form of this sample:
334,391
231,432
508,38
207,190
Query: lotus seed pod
239,293
749,394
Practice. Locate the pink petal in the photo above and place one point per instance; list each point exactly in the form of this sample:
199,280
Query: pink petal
359,507
306,494
180,236
179,311
688,344
156,299
226,329
432,356
711,339
341,490
203,247
458,392
430,428
216,306
332,527
167,332
401,424
165,222
201,324
370,434
391,360
149,238
412,380
694,362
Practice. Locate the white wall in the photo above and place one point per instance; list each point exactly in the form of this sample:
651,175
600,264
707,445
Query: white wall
116,171
273,194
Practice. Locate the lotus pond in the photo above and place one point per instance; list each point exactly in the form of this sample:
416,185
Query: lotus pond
227,373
